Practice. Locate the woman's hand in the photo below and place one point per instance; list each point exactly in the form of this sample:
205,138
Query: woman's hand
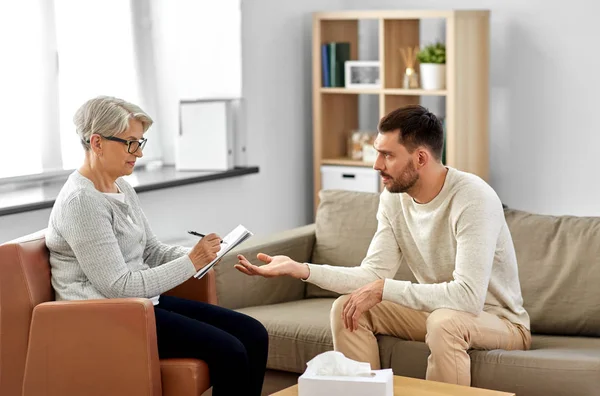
205,250
275,266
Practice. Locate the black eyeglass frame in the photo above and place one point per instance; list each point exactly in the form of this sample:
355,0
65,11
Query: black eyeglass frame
141,143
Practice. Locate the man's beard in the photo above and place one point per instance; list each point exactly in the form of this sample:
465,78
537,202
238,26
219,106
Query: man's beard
407,179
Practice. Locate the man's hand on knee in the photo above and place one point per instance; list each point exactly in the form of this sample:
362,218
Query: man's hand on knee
360,301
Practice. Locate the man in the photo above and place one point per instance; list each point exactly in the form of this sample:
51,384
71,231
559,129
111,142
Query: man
448,226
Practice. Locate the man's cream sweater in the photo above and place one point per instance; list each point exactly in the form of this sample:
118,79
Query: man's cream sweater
458,246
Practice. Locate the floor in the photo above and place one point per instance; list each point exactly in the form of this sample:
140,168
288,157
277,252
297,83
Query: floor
278,380
274,382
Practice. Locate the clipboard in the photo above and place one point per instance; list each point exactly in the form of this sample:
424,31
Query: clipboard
238,235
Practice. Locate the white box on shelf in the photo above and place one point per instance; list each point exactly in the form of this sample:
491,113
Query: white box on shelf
380,384
353,178
206,135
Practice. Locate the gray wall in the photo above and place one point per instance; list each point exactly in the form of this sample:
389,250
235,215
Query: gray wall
544,141
16,225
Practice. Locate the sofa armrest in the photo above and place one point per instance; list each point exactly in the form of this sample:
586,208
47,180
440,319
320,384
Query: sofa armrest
236,290
203,289
96,347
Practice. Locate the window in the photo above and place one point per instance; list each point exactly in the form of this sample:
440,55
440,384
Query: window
96,57
21,87
59,53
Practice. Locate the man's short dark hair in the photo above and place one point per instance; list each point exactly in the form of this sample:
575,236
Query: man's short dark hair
418,127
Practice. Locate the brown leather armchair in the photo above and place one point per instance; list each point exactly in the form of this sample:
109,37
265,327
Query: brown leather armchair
93,347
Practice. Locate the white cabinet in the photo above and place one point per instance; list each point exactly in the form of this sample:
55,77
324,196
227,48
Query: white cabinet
354,178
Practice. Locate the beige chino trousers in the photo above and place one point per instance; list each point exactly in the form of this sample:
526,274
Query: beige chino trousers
448,333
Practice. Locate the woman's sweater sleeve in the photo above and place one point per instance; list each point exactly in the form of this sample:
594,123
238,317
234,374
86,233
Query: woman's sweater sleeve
86,225
157,253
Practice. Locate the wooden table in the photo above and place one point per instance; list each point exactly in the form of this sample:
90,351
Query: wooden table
404,386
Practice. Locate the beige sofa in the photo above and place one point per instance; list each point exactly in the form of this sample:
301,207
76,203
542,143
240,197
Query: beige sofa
559,267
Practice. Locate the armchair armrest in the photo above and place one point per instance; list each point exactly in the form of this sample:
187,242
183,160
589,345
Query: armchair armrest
203,289
236,290
93,347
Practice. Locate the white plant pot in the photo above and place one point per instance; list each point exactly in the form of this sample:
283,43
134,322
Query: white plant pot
433,76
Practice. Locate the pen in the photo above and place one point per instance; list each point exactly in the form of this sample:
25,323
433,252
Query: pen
198,234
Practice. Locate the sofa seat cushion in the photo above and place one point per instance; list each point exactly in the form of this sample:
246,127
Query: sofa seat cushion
298,331
554,366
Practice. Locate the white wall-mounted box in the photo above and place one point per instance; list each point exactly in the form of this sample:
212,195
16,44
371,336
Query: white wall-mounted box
206,135
353,178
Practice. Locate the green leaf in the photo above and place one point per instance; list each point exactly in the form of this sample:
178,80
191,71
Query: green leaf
433,53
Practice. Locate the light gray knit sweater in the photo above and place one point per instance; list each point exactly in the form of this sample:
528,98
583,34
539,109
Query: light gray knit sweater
103,248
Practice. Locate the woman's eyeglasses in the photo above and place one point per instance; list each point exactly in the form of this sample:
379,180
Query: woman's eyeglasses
132,145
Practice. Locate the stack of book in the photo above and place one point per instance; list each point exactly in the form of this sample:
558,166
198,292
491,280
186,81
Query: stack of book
333,57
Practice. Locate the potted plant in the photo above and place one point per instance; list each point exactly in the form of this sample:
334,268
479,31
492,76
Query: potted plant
432,59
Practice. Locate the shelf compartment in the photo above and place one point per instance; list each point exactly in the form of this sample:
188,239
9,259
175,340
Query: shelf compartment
392,102
341,31
339,117
397,33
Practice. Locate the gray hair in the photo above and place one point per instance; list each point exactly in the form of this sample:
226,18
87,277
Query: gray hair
107,116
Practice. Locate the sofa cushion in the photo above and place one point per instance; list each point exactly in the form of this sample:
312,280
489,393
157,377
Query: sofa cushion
559,270
554,366
298,331
345,224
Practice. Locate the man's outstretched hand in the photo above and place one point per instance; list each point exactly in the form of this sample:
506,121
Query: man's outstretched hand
274,266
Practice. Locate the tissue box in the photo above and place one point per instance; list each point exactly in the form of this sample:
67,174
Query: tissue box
380,384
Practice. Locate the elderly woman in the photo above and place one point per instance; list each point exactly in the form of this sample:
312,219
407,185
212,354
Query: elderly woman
101,246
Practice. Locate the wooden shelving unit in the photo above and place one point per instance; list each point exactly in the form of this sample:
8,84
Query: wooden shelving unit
335,110
344,162
410,92
350,91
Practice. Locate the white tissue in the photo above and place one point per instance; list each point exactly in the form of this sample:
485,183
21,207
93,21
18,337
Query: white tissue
334,363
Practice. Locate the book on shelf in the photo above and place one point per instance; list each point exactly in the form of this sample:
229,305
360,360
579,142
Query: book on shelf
333,57
325,65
